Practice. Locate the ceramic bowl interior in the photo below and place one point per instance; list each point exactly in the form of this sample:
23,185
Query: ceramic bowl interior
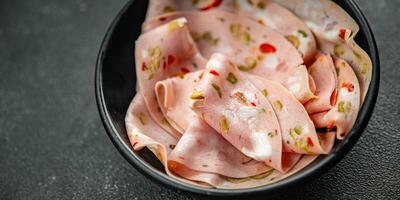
115,85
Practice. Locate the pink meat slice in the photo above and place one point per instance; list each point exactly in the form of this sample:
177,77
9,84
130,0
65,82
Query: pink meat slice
161,53
324,74
269,176
233,106
298,131
325,18
255,48
264,12
244,36
334,30
173,96
143,131
297,81
201,148
343,115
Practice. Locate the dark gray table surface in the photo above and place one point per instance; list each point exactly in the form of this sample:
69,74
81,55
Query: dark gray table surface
53,144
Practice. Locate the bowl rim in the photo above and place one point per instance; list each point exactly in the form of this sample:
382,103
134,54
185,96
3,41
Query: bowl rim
308,173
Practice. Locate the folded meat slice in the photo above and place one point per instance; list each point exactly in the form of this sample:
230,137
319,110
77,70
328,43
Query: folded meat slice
324,74
143,131
344,114
281,20
262,11
254,48
298,131
267,177
234,107
173,96
161,53
215,30
335,31
325,18
297,81
201,148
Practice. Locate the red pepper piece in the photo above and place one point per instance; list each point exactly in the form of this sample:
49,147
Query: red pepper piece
213,72
185,70
164,65
342,33
162,18
310,142
213,4
171,59
330,127
253,104
348,86
144,67
267,48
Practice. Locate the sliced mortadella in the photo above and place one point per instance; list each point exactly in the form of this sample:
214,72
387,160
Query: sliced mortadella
203,149
267,177
159,7
325,18
143,131
335,31
173,96
344,114
281,20
264,12
249,42
254,48
163,52
356,57
298,131
298,82
234,107
324,74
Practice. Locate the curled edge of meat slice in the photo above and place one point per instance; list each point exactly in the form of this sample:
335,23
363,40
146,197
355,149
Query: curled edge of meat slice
239,112
324,74
298,131
143,132
344,114
335,31
265,12
165,51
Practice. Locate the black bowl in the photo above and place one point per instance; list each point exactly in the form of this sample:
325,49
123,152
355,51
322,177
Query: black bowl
115,87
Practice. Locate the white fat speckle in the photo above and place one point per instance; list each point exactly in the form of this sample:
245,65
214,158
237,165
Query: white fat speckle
181,22
215,63
250,96
293,84
144,54
262,148
271,62
306,129
345,94
244,5
329,35
294,88
247,112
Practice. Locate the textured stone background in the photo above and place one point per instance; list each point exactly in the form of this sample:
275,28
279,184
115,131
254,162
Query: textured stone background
53,145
